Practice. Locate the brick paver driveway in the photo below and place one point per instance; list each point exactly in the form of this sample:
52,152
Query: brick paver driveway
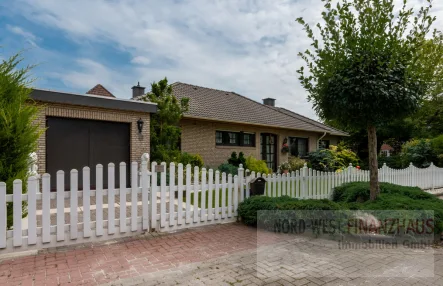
229,254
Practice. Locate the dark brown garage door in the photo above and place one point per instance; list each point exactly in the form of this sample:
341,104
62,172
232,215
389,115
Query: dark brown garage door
76,143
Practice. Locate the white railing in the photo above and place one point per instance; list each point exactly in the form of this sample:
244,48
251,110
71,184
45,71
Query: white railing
191,197
307,183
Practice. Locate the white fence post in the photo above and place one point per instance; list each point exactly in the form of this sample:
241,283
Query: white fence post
241,183
153,200
3,215
32,210
74,204
17,212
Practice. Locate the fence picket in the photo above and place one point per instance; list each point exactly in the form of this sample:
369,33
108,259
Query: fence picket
60,205
180,195
223,190
196,193
203,196
111,198
188,193
17,212
229,195
32,210
74,204
134,196
46,207
86,203
123,192
163,196
153,199
3,215
240,179
217,195
99,200
235,195
210,191
145,194
171,193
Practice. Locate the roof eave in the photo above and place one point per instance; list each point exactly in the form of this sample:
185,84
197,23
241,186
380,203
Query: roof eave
92,101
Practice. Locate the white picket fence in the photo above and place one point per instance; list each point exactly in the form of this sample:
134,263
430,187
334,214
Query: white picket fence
191,197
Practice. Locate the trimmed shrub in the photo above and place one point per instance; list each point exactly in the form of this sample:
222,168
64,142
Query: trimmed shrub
248,209
332,159
355,196
228,169
236,161
296,163
258,166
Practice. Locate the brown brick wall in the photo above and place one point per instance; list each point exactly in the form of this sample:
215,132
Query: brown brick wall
198,137
140,143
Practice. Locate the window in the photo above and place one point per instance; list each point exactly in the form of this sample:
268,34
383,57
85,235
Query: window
233,138
298,146
248,139
323,144
218,138
228,138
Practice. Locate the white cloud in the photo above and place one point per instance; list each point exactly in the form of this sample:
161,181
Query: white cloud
30,37
245,46
141,60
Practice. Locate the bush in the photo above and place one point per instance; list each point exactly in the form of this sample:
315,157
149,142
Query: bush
392,197
249,209
168,156
296,163
332,159
258,166
394,162
194,160
419,152
437,147
228,169
236,161
18,134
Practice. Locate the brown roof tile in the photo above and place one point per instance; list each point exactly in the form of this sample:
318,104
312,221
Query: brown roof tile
100,90
208,103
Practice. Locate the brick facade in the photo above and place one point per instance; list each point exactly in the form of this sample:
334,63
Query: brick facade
140,143
198,137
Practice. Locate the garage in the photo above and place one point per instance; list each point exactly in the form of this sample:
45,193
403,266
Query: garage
89,129
76,143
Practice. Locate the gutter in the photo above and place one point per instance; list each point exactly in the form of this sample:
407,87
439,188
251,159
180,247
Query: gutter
318,141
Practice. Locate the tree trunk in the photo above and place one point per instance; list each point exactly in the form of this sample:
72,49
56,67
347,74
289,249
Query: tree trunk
373,162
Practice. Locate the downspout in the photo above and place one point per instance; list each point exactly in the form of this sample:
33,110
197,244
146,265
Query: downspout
318,141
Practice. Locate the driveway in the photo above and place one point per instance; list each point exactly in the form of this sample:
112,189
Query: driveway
228,254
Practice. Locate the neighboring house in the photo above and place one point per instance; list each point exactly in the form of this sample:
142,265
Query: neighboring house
386,150
220,122
89,129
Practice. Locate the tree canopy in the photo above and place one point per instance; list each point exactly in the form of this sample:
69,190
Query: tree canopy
369,66
165,129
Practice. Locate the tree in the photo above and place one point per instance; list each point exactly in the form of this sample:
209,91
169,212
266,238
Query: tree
369,67
165,129
18,134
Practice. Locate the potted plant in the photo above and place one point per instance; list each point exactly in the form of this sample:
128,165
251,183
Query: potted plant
285,146
284,168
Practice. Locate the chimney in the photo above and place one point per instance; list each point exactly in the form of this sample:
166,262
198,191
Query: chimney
137,91
269,101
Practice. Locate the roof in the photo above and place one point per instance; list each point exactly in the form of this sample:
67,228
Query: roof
386,147
228,106
45,95
100,90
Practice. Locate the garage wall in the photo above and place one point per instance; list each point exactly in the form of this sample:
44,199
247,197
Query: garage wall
140,143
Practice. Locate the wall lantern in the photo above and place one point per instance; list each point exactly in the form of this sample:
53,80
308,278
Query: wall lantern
140,125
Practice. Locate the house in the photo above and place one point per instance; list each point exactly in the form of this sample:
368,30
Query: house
386,150
219,122
89,129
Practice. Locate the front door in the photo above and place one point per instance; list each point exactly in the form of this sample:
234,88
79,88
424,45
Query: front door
268,149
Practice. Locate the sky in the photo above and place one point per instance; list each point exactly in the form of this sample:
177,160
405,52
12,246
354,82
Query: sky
247,46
